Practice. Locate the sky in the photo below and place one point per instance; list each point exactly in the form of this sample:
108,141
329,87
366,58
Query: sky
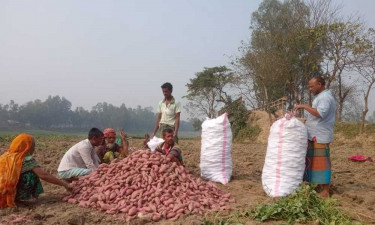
92,51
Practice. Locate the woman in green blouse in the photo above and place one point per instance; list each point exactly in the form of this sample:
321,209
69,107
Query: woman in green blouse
20,174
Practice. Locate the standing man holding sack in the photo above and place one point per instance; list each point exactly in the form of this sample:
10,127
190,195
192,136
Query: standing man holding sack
169,111
319,124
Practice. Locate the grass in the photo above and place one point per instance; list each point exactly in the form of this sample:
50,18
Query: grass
303,206
352,129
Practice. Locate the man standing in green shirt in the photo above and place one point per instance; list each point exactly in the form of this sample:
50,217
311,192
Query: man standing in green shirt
168,113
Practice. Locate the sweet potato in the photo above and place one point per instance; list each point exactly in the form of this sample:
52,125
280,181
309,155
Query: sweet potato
132,211
146,184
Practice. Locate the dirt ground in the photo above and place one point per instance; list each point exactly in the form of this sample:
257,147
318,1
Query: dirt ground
353,183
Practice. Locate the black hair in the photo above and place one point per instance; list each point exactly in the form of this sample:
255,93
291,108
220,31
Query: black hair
95,132
168,86
320,80
167,130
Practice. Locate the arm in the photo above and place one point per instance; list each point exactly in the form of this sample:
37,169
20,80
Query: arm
44,175
177,124
145,143
125,148
311,110
159,148
156,127
174,155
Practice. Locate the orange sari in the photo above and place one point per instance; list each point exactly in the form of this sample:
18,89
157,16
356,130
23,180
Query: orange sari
10,168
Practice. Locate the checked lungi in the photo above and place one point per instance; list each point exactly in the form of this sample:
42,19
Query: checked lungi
318,163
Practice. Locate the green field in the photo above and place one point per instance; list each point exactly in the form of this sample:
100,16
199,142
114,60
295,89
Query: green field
35,132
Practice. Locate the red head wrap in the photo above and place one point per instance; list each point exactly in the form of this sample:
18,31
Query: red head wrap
109,131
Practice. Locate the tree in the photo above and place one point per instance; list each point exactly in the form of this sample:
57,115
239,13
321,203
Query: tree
365,65
56,113
339,55
283,53
208,91
291,42
196,123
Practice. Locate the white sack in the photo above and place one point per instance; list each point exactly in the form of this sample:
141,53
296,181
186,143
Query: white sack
216,149
285,158
154,142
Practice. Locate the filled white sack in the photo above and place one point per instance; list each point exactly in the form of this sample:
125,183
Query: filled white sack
216,149
284,165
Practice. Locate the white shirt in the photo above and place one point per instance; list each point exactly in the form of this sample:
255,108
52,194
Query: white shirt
322,128
168,112
81,155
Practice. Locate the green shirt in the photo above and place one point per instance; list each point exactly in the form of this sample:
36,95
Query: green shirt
168,112
28,163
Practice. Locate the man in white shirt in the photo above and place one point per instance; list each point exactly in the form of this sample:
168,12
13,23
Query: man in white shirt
81,159
319,125
169,111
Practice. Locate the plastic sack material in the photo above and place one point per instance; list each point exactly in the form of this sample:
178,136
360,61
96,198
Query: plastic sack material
360,158
284,165
154,142
216,150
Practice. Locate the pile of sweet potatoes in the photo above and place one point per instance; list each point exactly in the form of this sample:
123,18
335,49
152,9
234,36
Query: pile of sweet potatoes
146,184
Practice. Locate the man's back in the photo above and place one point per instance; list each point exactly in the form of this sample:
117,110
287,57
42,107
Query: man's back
80,155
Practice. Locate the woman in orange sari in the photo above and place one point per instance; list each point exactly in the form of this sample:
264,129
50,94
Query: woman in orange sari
20,173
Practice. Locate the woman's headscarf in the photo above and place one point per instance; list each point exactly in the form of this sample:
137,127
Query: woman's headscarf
10,168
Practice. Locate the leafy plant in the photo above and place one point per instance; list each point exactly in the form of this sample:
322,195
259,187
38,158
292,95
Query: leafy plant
302,206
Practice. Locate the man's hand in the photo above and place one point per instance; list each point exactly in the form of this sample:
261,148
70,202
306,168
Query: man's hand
302,106
312,111
175,133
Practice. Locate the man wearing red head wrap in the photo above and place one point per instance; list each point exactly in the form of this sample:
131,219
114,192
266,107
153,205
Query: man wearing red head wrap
111,149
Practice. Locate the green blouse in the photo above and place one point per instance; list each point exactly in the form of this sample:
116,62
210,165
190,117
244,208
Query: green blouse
28,163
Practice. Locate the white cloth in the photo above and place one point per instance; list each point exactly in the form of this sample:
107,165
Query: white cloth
154,142
81,155
285,158
216,151
168,112
322,128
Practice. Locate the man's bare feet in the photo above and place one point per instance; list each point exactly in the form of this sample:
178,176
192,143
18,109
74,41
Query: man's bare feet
325,191
323,194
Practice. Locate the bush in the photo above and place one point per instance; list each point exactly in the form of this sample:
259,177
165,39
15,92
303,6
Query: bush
248,133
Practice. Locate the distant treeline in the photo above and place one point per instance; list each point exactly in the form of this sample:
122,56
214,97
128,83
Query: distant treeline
55,113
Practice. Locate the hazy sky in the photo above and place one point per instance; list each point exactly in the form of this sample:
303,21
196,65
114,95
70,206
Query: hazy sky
120,51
